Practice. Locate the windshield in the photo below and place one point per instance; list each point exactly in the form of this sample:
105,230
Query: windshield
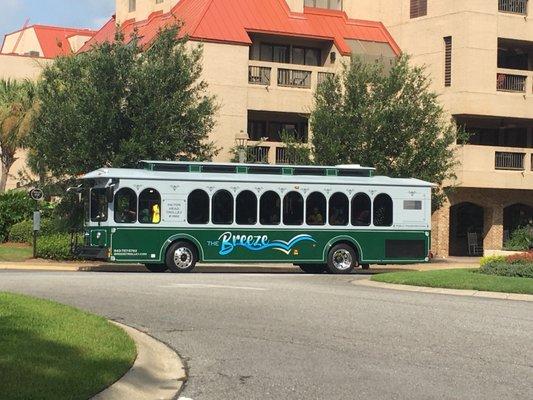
98,205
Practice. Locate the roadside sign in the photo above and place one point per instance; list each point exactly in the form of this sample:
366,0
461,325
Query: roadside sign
36,221
37,194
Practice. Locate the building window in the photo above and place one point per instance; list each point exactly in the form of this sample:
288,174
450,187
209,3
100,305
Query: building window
339,209
159,1
222,206
270,209
125,206
198,208
306,56
149,207
290,54
331,4
361,210
315,209
132,5
246,208
383,210
448,61
274,53
293,209
419,8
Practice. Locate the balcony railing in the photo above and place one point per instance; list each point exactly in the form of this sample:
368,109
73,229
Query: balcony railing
511,83
294,78
324,76
282,156
513,6
510,161
258,154
259,75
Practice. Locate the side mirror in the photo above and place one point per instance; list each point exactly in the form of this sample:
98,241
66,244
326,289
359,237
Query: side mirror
110,193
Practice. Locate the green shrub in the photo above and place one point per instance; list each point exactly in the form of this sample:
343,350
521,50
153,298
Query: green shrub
502,268
521,239
54,247
488,259
15,206
22,232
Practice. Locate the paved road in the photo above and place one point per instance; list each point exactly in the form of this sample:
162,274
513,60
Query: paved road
291,336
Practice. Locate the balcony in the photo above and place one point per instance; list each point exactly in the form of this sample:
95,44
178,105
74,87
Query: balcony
494,167
304,77
513,6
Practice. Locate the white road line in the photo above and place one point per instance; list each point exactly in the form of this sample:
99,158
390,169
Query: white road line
208,286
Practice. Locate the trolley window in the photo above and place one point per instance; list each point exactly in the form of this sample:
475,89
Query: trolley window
293,209
383,210
361,210
222,206
198,208
99,205
125,207
149,207
270,209
339,206
315,209
246,208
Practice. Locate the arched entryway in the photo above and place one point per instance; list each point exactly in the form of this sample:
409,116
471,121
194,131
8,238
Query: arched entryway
516,216
465,218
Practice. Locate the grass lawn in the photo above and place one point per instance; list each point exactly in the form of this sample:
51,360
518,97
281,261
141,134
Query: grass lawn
52,351
459,279
15,252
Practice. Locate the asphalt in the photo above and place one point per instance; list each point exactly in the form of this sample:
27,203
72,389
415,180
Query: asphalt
294,336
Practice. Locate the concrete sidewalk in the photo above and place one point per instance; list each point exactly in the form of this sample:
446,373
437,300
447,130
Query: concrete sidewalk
46,265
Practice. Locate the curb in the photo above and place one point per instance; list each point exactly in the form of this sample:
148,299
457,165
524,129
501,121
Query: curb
157,372
453,292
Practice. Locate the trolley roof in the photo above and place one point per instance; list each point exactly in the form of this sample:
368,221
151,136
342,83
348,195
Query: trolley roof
212,172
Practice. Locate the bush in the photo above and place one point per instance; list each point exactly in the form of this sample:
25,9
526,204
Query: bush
22,232
488,259
521,239
54,247
15,206
519,270
523,258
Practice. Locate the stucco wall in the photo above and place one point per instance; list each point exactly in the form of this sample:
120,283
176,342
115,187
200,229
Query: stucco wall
28,42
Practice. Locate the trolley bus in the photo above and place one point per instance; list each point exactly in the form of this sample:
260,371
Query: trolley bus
173,215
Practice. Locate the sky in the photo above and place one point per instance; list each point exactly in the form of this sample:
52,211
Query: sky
70,13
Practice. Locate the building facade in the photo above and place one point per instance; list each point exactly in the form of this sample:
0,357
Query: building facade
480,57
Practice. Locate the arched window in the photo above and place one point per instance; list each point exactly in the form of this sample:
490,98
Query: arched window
125,206
270,209
315,209
361,210
198,208
383,210
293,209
149,207
246,206
222,206
339,206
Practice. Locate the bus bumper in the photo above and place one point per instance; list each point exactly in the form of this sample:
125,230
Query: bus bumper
92,253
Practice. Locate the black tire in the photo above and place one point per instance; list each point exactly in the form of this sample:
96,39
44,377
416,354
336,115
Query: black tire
365,266
313,268
342,259
157,268
181,257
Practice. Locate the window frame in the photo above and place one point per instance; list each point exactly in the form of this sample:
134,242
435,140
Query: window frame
208,208
139,207
232,208
125,188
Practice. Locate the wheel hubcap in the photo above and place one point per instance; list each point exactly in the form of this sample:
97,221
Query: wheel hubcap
183,258
342,260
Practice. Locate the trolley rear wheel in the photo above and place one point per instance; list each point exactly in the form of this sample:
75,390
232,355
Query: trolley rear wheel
342,259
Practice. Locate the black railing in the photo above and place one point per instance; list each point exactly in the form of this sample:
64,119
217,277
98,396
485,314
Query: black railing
509,161
511,83
294,78
513,6
259,75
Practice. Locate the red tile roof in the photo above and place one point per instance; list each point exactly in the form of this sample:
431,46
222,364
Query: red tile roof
231,21
54,39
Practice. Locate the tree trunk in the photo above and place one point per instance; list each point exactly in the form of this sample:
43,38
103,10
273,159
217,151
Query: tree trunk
5,165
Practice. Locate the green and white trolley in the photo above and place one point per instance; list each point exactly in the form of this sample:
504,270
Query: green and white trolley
172,215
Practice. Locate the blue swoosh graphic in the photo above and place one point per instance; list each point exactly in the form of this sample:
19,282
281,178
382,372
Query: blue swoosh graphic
281,245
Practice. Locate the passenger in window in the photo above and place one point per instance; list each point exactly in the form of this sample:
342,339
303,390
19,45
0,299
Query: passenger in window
315,218
362,218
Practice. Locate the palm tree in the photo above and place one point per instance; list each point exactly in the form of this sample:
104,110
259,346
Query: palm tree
18,108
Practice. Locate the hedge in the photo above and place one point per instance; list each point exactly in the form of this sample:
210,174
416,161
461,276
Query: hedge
15,206
23,231
502,268
54,247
